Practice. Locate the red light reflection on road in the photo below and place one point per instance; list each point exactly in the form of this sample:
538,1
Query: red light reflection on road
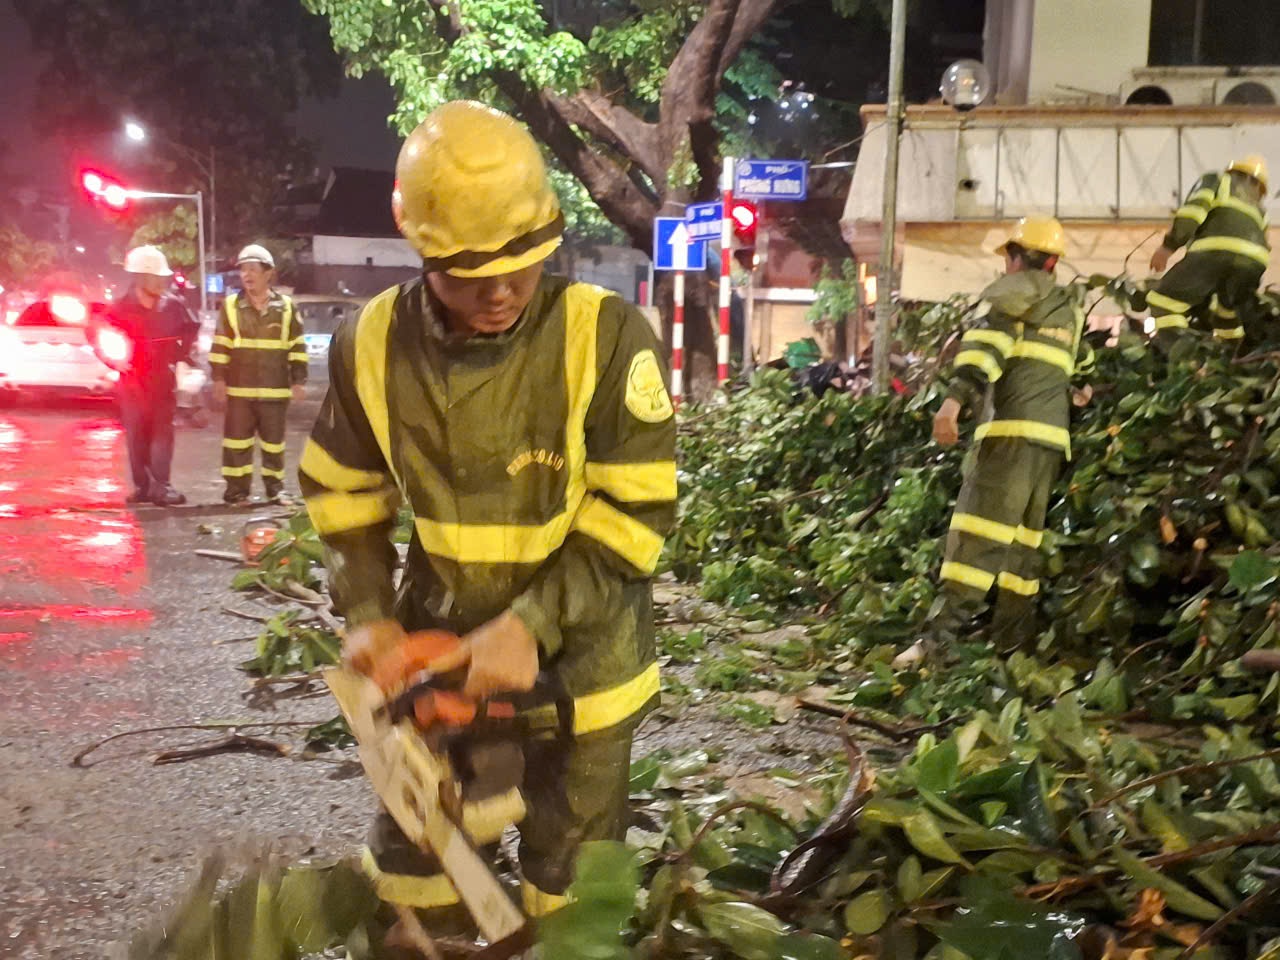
86,615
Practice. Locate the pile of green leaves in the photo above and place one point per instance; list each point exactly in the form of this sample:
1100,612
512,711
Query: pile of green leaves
291,559
1098,770
287,647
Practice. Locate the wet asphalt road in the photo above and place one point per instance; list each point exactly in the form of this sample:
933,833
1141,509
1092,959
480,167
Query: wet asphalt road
107,623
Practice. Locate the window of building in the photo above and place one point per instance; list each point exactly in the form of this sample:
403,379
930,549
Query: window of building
1219,33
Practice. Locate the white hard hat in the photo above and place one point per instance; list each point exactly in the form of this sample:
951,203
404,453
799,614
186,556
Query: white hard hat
256,253
147,260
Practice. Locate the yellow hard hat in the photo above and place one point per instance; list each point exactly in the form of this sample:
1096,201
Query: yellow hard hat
472,194
1253,166
1041,234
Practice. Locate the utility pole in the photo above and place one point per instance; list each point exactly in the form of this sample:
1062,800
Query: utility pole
889,212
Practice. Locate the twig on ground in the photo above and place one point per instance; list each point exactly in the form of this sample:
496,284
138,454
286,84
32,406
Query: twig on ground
232,743
1245,907
888,730
724,811
1190,768
228,555
78,759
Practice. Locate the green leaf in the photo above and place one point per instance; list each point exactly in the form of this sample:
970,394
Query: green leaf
1176,895
752,933
1251,569
809,947
910,878
925,834
868,912
936,770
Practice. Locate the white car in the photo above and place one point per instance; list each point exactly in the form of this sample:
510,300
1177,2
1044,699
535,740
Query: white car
46,349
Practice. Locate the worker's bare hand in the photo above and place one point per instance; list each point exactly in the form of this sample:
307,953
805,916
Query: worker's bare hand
219,394
503,655
1080,396
946,424
1160,259
365,645
299,392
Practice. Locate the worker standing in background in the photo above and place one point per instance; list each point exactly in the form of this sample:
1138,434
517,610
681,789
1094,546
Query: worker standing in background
258,361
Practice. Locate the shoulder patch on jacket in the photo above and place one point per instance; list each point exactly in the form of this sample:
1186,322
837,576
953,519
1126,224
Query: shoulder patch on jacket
647,397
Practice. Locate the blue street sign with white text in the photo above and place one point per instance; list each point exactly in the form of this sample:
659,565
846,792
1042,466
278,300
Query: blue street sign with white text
214,283
771,179
703,220
672,248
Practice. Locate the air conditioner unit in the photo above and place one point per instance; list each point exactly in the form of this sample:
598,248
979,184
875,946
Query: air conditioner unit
1251,90
1169,89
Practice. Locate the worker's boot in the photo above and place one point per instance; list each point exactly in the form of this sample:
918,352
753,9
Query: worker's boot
1014,622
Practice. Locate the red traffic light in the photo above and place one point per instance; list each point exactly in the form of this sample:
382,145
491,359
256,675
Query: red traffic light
105,190
745,219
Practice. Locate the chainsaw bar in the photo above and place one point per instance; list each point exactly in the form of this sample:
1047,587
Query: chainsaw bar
418,789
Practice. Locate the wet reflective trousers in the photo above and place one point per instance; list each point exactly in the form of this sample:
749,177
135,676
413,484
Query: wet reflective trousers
574,793
252,423
996,531
1218,282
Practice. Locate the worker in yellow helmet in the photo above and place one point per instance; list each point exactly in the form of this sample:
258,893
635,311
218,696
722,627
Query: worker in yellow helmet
1223,226
525,421
1020,353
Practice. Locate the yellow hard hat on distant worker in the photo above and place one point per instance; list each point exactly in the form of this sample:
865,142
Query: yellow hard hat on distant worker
1041,234
472,194
1253,166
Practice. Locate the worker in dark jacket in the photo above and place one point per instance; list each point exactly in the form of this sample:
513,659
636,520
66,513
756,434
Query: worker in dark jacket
154,331
526,422
1223,225
259,362
1022,355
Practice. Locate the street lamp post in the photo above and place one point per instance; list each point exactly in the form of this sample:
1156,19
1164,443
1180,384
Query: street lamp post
139,134
889,211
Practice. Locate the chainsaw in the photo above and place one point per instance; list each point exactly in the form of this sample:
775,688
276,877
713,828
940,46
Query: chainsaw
411,725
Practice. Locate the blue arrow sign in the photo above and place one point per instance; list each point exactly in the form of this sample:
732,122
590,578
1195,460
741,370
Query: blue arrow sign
771,179
672,248
703,220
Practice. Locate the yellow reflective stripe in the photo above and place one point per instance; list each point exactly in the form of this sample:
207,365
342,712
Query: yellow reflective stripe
634,482
218,358
1157,299
286,323
1171,321
1016,584
1192,212
484,821
982,360
1245,248
1204,194
1226,313
1248,209
404,889
270,447
1001,341
608,708
248,343
238,471
297,341
233,443
624,535
339,512
1046,353
320,466
538,903
276,474
297,355
223,341
1029,538
982,527
1234,333
233,317
492,542
371,366
969,576
1026,430
260,393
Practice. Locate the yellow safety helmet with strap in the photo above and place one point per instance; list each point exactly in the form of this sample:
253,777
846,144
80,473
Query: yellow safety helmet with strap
1252,166
1041,234
472,194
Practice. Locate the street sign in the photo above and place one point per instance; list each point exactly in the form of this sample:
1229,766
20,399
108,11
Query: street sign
672,248
214,283
703,220
772,179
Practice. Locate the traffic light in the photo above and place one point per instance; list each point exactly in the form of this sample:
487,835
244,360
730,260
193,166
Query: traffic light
105,190
746,218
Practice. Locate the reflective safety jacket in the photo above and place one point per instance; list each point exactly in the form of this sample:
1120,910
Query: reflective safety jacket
1024,351
1216,218
539,465
259,355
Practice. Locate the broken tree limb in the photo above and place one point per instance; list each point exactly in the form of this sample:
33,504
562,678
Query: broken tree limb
1191,768
78,759
232,743
228,555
